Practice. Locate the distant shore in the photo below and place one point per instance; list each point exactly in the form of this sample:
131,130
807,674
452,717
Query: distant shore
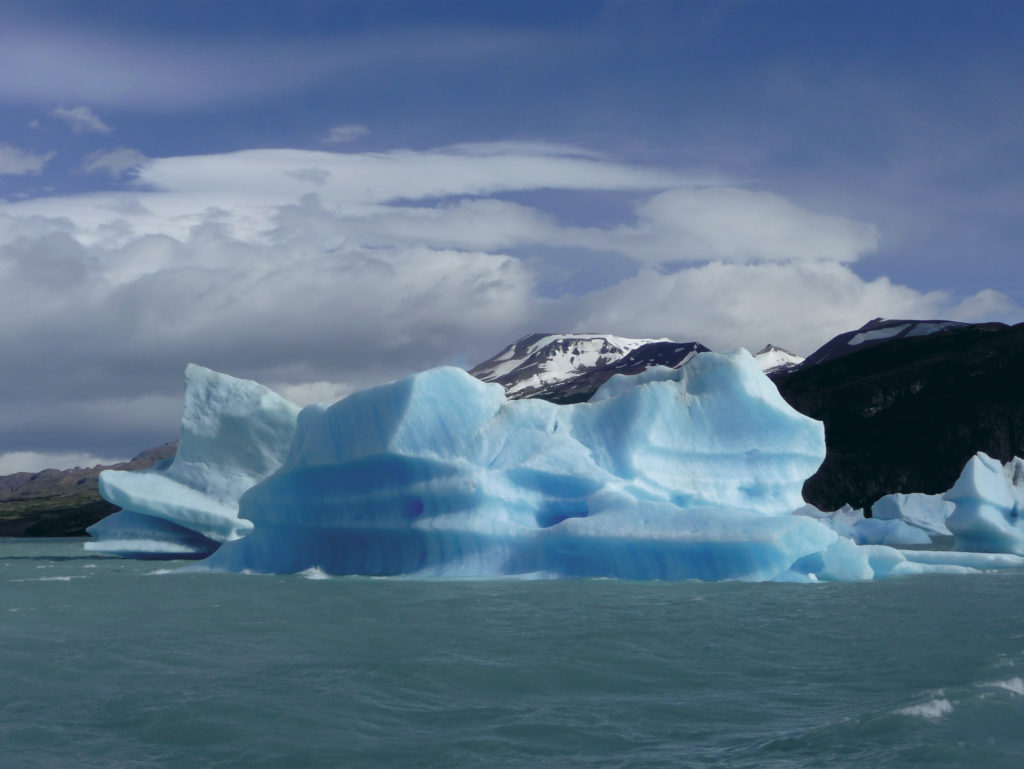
63,503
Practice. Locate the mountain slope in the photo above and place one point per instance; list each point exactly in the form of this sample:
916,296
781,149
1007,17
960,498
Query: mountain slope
568,368
905,412
63,503
875,332
771,358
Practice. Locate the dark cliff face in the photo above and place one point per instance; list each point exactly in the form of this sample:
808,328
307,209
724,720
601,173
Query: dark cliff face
906,415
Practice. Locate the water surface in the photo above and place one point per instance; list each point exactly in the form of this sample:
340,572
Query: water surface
115,663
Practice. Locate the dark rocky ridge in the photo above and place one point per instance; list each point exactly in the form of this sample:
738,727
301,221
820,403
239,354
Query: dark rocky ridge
876,332
906,415
63,503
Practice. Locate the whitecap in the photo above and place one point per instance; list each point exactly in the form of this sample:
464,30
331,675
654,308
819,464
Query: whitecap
1015,685
934,709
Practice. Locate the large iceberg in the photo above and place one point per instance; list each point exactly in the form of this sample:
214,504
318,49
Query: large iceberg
687,473
671,474
988,500
234,432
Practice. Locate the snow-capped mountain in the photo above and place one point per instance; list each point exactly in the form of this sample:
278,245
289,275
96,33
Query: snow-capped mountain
568,368
773,358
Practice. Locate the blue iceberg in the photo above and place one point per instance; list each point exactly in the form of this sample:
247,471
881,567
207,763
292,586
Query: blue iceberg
988,500
234,432
687,473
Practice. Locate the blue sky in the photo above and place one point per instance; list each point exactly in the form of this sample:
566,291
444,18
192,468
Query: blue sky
322,195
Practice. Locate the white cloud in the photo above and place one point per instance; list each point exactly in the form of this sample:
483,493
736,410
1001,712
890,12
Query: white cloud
34,461
320,272
984,306
114,162
254,185
81,120
797,305
347,132
313,392
16,162
736,225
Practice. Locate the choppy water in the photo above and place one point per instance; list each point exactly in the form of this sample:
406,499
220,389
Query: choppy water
104,663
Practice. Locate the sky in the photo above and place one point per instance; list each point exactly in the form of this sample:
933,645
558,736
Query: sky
324,195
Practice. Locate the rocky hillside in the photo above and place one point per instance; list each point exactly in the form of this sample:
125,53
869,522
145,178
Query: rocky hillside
62,503
905,414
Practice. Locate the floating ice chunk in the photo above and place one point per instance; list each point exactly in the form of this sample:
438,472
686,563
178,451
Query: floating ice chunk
874,531
136,535
925,511
675,474
851,524
233,433
988,499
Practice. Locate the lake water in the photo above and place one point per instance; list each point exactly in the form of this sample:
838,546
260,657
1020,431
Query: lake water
114,663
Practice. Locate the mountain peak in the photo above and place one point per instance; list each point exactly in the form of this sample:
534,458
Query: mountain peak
568,367
772,358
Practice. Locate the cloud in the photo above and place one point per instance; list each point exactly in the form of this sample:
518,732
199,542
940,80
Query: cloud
253,186
16,162
318,272
34,461
737,225
340,134
81,120
797,305
114,162
985,305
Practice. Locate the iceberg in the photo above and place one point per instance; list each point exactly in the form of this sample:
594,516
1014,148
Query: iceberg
234,432
672,474
927,512
852,524
686,473
988,500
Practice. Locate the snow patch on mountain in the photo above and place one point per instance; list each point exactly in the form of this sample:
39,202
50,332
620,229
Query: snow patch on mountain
876,331
529,364
772,358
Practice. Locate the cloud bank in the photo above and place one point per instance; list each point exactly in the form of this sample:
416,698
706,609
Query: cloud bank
318,272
